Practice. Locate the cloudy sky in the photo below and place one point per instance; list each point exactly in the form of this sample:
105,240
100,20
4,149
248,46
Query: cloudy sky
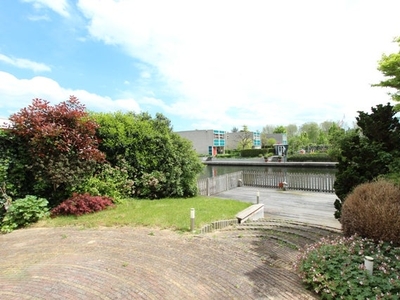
203,64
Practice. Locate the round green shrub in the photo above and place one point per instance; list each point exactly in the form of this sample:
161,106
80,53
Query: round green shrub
372,211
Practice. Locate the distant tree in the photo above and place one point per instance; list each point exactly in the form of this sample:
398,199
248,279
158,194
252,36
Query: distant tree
268,129
54,148
326,125
367,152
280,129
335,134
235,129
161,163
322,138
312,130
389,65
291,130
245,138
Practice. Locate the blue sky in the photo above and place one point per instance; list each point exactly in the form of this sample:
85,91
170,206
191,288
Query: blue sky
203,64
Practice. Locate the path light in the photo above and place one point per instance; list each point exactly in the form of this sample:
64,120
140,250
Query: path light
192,215
369,264
258,197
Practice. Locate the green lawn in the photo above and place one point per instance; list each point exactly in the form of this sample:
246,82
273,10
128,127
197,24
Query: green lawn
164,213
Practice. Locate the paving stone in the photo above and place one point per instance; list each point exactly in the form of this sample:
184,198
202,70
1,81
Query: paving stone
131,263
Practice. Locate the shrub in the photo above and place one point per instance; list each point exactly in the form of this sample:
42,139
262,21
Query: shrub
110,181
80,204
252,152
151,185
334,269
56,146
372,210
150,146
313,157
23,212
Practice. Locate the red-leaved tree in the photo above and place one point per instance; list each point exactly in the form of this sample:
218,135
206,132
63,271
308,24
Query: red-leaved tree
60,144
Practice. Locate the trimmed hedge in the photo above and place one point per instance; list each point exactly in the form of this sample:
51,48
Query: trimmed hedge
314,157
254,152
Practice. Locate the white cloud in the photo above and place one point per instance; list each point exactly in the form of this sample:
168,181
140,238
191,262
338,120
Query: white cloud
273,62
24,63
18,93
39,18
59,6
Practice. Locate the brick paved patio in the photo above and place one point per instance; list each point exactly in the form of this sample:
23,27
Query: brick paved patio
144,263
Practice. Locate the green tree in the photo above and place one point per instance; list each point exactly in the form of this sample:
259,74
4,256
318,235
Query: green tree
161,163
291,130
367,152
267,129
326,125
312,131
280,129
245,138
389,65
335,134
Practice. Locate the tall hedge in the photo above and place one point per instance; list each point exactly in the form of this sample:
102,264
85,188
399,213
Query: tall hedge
161,163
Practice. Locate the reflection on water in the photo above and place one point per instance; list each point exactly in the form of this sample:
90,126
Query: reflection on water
211,171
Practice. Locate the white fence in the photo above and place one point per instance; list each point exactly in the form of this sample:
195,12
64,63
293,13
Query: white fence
295,181
316,182
214,185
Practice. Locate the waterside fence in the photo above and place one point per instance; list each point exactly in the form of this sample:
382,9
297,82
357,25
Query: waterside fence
291,181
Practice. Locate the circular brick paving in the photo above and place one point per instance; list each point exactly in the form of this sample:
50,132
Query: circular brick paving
145,263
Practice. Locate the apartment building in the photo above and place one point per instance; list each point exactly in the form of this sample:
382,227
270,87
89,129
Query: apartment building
206,142
235,140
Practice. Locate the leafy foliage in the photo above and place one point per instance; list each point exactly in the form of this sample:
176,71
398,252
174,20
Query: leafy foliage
314,157
372,211
54,145
252,152
8,165
389,65
335,134
245,138
367,152
162,164
280,129
80,204
108,181
334,269
23,212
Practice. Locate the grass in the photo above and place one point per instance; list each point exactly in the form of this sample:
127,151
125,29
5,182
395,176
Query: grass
165,213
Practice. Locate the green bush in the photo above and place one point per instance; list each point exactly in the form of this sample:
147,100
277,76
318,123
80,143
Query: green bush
110,181
313,157
372,210
150,146
23,212
334,269
225,155
151,185
253,152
